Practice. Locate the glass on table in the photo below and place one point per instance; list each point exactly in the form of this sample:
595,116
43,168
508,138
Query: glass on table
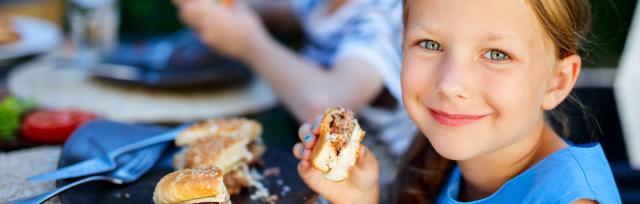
94,28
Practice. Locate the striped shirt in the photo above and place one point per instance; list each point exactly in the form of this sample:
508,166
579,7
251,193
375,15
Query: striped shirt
366,29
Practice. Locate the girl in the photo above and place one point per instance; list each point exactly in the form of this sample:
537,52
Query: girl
477,79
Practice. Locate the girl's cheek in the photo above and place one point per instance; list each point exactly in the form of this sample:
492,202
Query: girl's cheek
413,86
417,71
514,97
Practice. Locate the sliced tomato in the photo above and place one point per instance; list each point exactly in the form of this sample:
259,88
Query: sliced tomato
53,126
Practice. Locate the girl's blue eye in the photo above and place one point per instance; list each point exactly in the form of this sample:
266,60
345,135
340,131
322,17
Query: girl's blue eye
429,45
496,55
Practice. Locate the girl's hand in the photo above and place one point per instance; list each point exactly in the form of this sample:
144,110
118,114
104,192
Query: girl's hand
229,28
360,187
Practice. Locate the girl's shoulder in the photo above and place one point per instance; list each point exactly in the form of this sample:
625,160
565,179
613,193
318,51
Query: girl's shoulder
576,172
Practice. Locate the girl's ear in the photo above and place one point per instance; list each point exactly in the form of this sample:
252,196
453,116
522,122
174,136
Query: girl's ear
565,77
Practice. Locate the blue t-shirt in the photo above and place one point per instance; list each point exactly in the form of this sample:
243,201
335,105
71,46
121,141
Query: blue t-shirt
573,173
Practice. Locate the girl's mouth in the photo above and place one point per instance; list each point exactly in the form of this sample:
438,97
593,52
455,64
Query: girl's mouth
455,120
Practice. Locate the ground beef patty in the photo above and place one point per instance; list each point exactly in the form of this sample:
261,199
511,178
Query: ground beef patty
341,127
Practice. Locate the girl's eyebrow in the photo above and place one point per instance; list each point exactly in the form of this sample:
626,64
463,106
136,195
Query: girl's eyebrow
433,30
493,36
422,27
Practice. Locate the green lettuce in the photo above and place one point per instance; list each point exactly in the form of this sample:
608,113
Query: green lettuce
10,111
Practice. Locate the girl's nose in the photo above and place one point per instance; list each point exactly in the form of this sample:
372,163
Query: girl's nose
453,78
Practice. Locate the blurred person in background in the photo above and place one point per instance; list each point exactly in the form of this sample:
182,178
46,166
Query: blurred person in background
350,56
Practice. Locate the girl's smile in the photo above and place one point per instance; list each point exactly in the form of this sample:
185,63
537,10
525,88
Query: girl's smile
455,120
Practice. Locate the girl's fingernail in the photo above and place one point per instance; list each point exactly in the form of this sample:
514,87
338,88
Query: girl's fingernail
307,139
302,152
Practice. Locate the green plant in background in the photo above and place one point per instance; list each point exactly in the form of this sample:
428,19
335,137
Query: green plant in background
10,111
148,17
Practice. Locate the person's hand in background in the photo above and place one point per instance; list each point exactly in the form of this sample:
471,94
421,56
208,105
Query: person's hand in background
360,187
305,86
229,27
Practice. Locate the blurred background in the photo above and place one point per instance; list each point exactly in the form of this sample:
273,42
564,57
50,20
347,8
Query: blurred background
144,67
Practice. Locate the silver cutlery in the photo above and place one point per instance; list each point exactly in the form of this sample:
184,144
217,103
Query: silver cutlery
105,162
127,173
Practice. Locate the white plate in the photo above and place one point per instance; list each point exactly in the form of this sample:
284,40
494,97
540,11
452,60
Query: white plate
51,86
36,37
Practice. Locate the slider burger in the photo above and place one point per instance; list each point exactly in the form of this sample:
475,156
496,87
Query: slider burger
238,128
189,186
337,148
231,144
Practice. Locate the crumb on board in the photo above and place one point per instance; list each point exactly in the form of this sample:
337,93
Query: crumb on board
271,171
270,199
259,191
285,190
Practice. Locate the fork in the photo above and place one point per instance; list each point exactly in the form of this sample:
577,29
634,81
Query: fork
105,162
129,172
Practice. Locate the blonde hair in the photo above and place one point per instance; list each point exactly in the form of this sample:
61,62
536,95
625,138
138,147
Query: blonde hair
565,21
423,171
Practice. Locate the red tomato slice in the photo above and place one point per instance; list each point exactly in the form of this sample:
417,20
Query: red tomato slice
53,126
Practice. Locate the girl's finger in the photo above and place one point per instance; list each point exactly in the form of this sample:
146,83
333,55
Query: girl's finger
298,151
304,130
309,175
306,154
305,135
315,127
309,140
366,158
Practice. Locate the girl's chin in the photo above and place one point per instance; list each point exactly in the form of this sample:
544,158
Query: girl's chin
454,148
450,154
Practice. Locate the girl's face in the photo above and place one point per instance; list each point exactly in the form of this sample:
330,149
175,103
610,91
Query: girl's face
475,73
